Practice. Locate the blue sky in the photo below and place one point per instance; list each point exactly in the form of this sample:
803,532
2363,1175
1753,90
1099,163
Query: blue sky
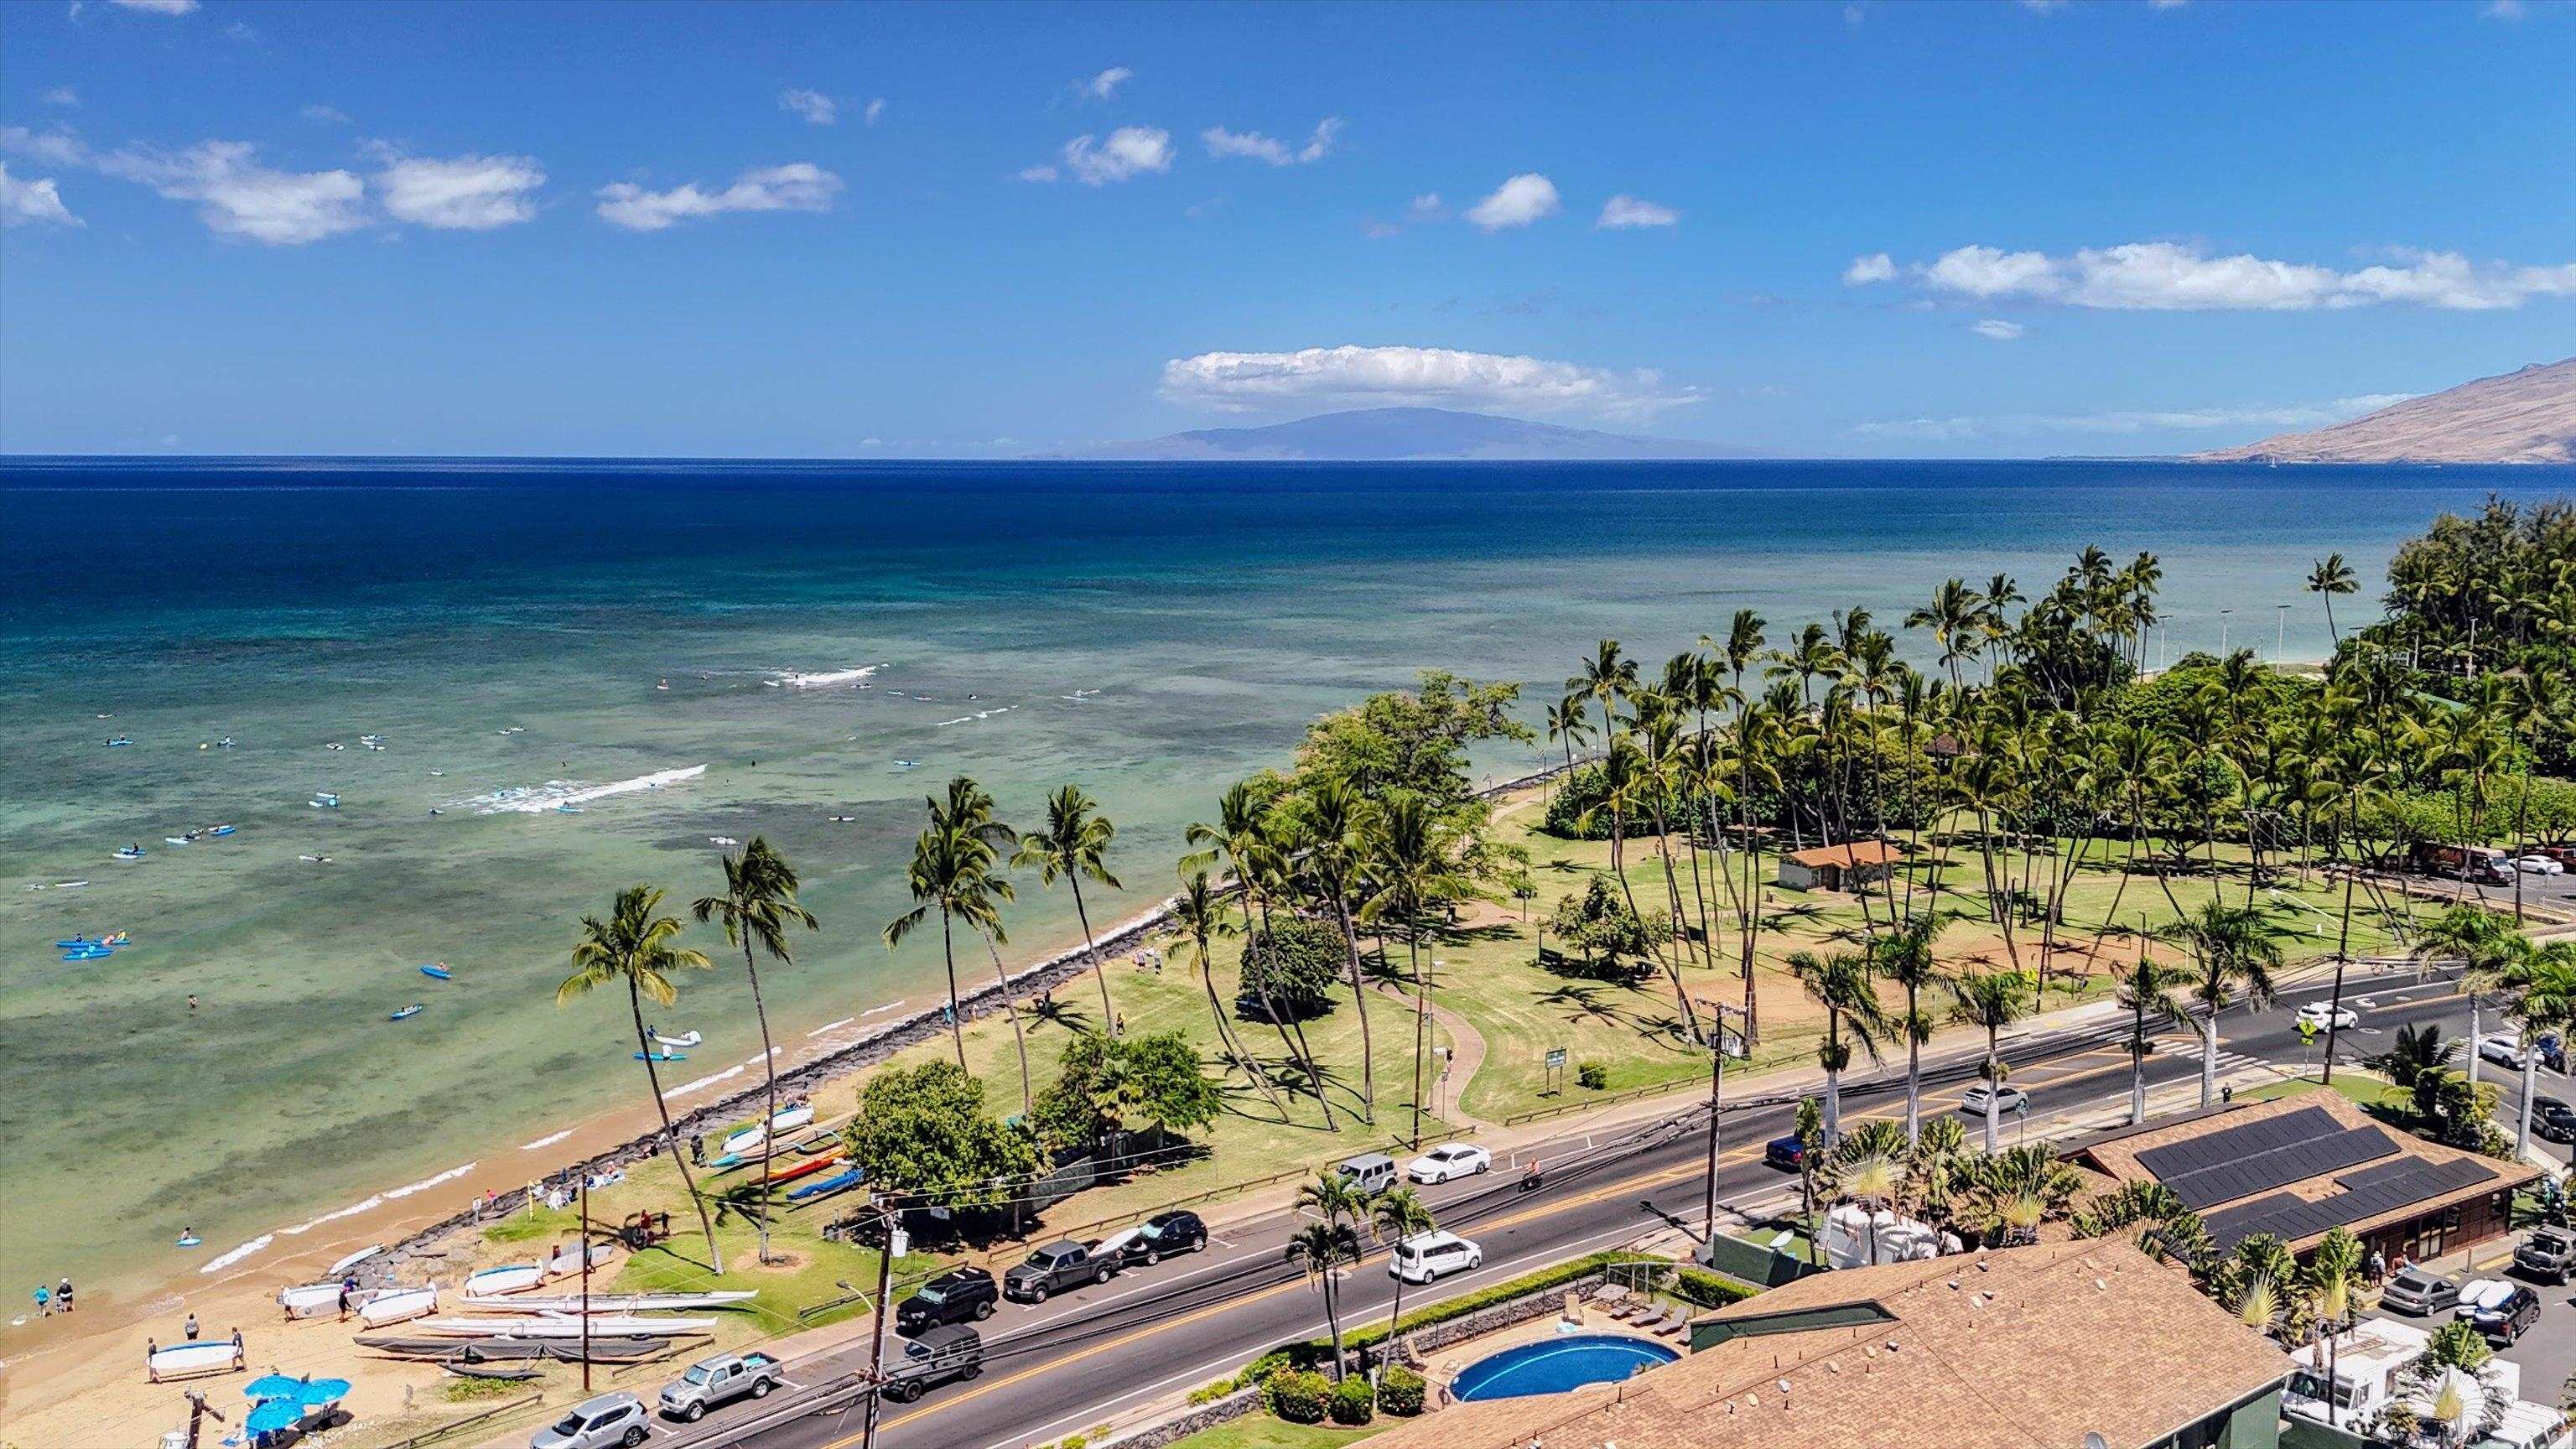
1965,229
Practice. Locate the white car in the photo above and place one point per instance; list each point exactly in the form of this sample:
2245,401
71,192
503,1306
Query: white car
2504,1048
2538,865
2325,1014
1432,1256
1456,1159
2007,1099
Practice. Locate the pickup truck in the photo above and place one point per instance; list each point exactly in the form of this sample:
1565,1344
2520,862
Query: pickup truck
1056,1267
712,1381
2548,1255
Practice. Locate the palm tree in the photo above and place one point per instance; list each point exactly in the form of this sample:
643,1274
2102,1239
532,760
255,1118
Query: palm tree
2330,577
1953,617
2014,1191
1075,844
968,809
1607,677
1904,956
758,905
2333,1279
1321,1249
1331,835
1566,722
1413,859
2544,980
1992,1000
2147,989
1395,1215
2234,948
1869,1166
1808,1126
2486,947
1843,984
2414,1053
2260,1283
947,873
1243,840
1199,921
633,947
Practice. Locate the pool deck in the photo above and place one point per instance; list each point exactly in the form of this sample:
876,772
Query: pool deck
1444,1366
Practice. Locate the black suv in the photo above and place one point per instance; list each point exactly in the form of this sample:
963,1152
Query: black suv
955,1296
950,1351
1165,1235
2553,1120
2510,1319
1055,1268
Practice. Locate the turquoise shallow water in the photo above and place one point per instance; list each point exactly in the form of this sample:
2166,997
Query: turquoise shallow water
1148,632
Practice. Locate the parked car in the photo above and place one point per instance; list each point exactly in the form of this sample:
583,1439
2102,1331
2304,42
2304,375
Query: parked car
1056,1267
1368,1172
2504,1048
2538,865
955,1296
712,1381
1165,1235
1785,1152
2007,1099
2325,1015
2548,1255
611,1419
2507,1316
2477,1293
2413,1290
1429,1257
950,1351
2553,1120
2490,872
1455,1159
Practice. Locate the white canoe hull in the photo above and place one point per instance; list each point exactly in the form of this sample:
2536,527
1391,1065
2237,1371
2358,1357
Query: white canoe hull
566,1326
185,1359
397,1305
310,1300
516,1278
354,1259
567,1262
609,1302
750,1139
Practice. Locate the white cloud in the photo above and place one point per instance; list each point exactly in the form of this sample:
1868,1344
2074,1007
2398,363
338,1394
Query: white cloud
2165,276
23,201
54,148
240,199
876,108
1517,202
1414,376
61,96
2043,7
158,7
2167,4
797,186
1105,85
1037,173
1426,207
2000,331
1876,267
1623,211
1130,151
2504,10
1223,143
325,115
467,193
2128,422
817,108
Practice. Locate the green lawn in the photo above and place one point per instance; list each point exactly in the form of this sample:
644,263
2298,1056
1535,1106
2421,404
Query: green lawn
1260,1431
2368,1092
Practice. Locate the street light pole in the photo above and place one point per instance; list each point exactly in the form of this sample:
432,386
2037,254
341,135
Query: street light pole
2222,631
876,1335
1716,1093
2280,632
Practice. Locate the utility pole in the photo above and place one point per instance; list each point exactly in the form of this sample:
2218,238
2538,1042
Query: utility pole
876,1336
1716,1090
581,1221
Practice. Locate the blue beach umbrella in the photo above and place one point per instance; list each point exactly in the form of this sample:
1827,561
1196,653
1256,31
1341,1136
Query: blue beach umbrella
272,1386
274,1415
325,1391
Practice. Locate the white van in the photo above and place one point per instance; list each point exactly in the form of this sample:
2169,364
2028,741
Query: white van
1430,1257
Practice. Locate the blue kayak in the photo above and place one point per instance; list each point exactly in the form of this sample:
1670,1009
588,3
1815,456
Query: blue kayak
406,1013
837,1182
660,1057
438,973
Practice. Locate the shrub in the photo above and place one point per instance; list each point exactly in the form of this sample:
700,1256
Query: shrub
1259,1371
1210,1393
467,1390
1073,1441
1607,939
1299,959
1399,1391
1298,1396
1592,1076
1353,1401
1709,1290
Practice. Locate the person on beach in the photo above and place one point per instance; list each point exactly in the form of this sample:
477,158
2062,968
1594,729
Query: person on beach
192,1001
44,1301
191,1328
697,1149
63,1295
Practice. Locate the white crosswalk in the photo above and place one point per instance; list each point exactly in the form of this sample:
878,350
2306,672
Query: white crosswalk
2188,1048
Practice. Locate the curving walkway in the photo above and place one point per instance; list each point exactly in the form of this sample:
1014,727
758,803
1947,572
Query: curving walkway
1467,1048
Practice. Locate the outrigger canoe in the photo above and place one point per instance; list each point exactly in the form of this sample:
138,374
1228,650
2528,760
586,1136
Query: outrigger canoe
397,1305
185,1360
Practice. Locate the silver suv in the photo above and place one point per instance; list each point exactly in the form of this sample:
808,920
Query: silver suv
611,1419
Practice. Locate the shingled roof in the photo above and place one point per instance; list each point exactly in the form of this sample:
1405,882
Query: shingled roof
2021,1348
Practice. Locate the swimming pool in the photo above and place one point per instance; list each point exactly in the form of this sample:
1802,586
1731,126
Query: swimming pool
1558,1364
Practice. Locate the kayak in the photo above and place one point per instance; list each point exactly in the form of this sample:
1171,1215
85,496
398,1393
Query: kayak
807,1168
407,1013
437,973
397,1304
661,1056
825,1187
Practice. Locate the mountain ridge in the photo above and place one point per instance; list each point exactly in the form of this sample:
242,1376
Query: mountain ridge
2524,416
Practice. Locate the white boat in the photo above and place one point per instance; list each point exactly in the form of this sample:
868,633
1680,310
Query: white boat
182,1360
682,1042
566,1260
397,1305
515,1278
611,1302
310,1300
354,1259
749,1139
566,1325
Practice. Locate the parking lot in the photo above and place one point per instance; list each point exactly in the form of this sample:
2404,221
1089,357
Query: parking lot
2547,1353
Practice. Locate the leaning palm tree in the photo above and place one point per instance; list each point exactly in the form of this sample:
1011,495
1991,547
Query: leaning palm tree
1322,1249
2147,989
2235,950
946,875
633,948
1843,985
1075,844
2332,576
1992,1000
1199,921
1869,1166
758,905
1904,956
969,810
1395,1215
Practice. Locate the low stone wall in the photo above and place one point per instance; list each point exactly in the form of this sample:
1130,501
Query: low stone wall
1172,1428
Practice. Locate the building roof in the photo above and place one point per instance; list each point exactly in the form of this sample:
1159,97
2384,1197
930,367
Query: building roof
2300,1166
1858,852
2022,1348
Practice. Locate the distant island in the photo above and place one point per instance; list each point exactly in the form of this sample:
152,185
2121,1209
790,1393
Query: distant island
1401,434
2525,416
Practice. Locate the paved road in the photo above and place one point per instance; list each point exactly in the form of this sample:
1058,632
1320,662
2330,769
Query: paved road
1078,1361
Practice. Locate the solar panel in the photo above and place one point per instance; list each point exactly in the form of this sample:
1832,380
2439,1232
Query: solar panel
2366,1194
2260,1156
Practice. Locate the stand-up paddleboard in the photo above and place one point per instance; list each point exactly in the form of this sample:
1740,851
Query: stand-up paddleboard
186,1360
398,1305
